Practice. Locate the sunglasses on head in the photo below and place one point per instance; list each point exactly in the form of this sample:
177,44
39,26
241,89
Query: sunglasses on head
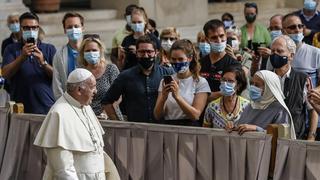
295,26
93,36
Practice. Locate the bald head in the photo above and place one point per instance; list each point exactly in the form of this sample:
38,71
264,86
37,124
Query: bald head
275,22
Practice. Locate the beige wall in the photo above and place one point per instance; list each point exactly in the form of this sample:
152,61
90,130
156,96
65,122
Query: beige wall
165,12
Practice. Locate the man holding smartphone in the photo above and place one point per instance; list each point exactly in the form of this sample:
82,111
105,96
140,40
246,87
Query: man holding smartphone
27,65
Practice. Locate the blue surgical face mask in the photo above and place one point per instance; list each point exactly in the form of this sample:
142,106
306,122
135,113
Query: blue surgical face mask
139,27
218,47
30,34
310,5
255,93
128,19
92,57
181,67
227,88
297,38
204,48
275,34
74,34
14,27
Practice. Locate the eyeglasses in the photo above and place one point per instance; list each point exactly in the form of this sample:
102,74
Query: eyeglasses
295,26
26,28
274,28
142,52
92,36
169,38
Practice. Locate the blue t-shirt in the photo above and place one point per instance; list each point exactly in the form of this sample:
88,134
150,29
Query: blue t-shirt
31,85
72,59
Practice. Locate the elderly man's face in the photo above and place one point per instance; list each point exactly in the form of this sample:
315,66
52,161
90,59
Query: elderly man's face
279,47
88,91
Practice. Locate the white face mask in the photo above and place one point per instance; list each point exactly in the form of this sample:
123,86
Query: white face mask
235,44
166,45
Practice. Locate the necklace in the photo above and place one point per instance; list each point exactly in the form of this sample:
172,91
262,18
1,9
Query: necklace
88,127
230,115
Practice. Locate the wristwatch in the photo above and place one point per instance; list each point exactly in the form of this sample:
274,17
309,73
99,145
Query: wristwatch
44,63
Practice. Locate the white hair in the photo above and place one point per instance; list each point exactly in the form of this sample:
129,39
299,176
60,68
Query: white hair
289,42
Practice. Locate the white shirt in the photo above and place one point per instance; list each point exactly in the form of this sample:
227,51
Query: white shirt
188,88
306,59
72,137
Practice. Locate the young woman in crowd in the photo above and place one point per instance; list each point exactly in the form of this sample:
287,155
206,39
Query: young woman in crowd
228,108
203,46
91,57
267,107
183,96
167,37
139,21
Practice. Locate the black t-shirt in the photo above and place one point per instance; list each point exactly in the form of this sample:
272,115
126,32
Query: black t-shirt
131,59
213,72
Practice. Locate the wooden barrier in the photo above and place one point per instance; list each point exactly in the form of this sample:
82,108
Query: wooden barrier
272,129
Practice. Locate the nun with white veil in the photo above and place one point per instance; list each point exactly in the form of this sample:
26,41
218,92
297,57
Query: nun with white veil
267,105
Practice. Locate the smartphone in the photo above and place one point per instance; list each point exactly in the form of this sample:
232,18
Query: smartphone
255,47
167,79
31,40
229,41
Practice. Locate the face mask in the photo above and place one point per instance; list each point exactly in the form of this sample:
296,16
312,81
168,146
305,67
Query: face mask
146,62
181,67
278,61
227,89
204,48
255,93
128,19
275,34
228,24
235,44
166,45
250,18
139,27
297,38
310,5
218,47
92,57
74,34
29,34
14,27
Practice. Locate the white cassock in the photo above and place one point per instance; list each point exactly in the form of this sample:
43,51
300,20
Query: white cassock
71,136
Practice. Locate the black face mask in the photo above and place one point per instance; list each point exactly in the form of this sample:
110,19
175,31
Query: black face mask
251,18
278,61
146,62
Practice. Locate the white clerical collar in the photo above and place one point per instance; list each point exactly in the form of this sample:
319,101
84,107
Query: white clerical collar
71,100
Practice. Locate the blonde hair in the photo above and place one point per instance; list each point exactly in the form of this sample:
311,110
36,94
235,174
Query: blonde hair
140,11
170,31
82,62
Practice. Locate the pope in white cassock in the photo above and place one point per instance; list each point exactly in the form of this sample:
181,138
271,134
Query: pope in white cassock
71,135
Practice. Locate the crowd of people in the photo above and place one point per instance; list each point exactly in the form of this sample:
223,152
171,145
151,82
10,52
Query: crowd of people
234,78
